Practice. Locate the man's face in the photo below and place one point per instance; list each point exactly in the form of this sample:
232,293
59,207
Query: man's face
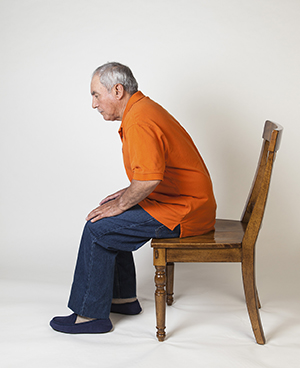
105,102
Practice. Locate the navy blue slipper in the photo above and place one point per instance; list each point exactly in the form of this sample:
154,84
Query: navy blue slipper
67,325
126,308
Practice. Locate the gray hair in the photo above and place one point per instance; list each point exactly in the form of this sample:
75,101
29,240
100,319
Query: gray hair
115,73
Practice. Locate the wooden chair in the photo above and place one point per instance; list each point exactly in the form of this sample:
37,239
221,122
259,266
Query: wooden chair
231,241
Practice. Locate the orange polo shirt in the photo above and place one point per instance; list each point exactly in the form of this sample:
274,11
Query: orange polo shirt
156,147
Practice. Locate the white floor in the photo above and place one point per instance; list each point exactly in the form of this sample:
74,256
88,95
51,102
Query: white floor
207,326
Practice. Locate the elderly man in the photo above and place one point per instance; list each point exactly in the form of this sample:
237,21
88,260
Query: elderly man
170,195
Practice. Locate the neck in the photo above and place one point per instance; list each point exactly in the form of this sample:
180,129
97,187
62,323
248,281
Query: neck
124,103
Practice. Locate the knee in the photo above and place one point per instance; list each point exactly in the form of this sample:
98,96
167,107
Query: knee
98,228
91,226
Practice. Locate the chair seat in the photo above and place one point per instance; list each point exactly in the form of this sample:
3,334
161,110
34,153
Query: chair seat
224,244
227,234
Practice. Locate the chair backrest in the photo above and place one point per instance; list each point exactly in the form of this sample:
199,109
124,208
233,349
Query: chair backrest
255,205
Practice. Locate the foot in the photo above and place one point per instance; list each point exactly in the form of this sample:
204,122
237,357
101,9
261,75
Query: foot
70,325
130,308
81,319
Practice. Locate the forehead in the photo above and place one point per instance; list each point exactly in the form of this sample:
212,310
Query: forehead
96,86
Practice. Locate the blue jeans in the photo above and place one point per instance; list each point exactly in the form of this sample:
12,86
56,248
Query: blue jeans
105,266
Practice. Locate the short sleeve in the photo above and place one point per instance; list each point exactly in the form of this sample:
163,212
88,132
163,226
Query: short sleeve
146,151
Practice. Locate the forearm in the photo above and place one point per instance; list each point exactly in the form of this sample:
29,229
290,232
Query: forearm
136,192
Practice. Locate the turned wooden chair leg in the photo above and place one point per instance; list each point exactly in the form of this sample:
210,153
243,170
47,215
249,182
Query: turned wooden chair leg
160,301
170,283
252,301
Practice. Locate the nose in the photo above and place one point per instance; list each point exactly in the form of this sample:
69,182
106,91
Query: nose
94,103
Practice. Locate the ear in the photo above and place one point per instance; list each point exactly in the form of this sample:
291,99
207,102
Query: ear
119,91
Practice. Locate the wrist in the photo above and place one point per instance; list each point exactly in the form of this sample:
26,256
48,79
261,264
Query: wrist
123,203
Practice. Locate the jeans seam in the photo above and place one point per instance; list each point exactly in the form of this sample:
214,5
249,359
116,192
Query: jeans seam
158,230
86,295
116,283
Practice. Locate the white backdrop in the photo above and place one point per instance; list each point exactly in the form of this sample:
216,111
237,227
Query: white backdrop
220,67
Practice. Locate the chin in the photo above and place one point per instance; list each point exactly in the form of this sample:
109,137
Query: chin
108,118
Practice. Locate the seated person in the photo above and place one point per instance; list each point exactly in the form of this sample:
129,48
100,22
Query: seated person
170,195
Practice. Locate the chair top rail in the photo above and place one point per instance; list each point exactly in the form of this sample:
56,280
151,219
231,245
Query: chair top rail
268,132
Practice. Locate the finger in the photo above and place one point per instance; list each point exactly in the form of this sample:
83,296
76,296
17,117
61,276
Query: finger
107,199
94,217
104,201
97,218
92,214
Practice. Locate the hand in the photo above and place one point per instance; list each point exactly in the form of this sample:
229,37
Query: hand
119,202
112,196
107,209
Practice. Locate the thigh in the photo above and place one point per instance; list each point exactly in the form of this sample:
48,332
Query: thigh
129,230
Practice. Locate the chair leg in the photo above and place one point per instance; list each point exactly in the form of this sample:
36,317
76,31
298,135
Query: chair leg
258,301
252,301
160,301
170,283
